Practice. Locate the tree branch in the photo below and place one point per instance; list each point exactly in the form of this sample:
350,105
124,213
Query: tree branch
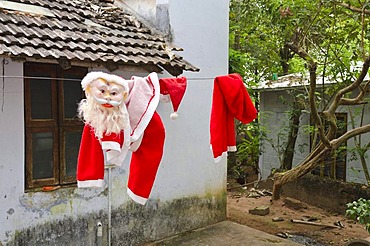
353,8
338,99
350,134
312,68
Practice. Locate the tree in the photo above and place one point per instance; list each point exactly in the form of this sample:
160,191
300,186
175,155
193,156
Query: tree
323,39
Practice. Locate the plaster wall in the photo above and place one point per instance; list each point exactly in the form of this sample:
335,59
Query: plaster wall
354,171
274,118
204,37
190,189
11,144
154,13
201,29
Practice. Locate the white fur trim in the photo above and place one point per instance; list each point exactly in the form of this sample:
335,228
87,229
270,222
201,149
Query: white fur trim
110,145
151,109
126,135
136,198
135,145
165,98
99,183
117,157
231,148
90,77
112,156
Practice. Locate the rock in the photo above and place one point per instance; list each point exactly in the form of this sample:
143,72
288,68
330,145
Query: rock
339,223
267,192
262,210
277,219
253,195
358,242
283,235
309,218
294,204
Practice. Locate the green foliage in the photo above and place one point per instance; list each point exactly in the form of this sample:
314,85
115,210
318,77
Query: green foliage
248,149
360,211
252,35
330,32
247,154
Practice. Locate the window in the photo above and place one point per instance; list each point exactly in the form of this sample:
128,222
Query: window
334,166
52,128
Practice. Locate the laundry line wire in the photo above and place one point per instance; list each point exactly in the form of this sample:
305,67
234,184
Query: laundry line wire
69,79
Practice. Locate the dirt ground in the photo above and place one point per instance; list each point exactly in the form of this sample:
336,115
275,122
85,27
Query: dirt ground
330,229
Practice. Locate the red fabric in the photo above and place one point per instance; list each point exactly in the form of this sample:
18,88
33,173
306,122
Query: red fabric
147,135
175,87
113,137
230,100
90,163
145,161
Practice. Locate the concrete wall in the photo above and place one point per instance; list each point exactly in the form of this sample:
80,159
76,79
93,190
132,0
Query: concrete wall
274,119
190,189
354,172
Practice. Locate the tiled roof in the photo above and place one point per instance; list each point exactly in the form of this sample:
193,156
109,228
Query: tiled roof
83,30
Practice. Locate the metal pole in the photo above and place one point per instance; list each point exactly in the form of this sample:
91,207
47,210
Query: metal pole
109,205
99,234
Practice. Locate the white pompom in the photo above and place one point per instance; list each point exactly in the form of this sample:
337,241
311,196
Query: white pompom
174,115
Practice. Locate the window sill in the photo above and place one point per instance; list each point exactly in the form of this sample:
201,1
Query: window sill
51,188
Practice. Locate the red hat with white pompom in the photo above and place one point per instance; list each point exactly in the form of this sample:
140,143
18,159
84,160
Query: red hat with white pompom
174,88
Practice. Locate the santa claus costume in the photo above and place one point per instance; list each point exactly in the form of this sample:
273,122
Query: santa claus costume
230,100
144,136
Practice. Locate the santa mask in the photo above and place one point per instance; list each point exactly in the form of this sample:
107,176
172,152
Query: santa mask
104,108
107,94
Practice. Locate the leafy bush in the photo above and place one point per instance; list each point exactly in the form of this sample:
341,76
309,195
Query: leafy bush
360,211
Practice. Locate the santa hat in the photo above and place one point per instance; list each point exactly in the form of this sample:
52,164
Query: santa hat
175,88
90,77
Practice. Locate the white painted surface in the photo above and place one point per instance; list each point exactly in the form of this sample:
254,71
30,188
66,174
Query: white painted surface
274,119
187,168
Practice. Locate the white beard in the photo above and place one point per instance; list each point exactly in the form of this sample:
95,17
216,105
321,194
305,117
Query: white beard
103,120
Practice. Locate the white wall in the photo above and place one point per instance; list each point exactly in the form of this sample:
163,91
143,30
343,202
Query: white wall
20,209
187,168
354,172
11,141
273,118
201,29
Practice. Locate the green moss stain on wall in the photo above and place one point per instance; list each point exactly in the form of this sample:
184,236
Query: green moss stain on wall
131,223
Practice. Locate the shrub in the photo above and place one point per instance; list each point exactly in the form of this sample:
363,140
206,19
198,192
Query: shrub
360,211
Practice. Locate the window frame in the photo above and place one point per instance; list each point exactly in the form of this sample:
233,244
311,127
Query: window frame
58,125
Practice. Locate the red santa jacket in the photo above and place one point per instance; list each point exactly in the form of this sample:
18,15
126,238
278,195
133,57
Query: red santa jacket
230,100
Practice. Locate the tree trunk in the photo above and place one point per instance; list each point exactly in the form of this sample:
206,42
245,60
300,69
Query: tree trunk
364,167
285,56
280,179
292,138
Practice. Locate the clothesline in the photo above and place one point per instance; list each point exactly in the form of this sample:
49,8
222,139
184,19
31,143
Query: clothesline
67,79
